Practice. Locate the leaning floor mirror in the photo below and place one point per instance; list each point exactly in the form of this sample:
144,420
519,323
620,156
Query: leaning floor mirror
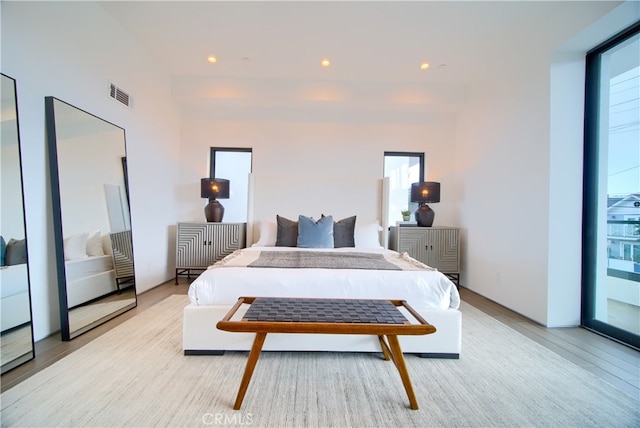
92,225
16,329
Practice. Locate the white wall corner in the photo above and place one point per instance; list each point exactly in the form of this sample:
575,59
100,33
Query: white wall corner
565,191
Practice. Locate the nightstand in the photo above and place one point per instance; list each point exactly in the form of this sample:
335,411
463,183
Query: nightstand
199,245
437,247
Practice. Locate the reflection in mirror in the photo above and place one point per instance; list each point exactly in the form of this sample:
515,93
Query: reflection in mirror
16,340
92,226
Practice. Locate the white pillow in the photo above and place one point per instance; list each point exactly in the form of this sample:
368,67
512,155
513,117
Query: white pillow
268,234
94,244
368,235
75,246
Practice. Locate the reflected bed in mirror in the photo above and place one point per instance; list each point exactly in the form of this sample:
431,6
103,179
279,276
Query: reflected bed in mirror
92,225
16,329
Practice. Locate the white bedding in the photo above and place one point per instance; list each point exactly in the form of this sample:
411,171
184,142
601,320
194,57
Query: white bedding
225,281
14,301
13,280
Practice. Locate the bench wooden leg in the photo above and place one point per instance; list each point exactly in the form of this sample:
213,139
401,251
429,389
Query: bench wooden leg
248,371
385,348
398,359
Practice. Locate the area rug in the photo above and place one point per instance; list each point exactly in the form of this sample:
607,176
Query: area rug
137,376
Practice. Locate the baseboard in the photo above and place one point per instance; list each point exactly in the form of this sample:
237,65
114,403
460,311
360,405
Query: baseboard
440,356
421,355
202,352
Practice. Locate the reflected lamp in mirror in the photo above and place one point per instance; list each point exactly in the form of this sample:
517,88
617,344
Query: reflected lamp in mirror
425,193
214,189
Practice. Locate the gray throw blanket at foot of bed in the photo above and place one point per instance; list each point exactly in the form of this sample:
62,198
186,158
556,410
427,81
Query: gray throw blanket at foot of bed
322,260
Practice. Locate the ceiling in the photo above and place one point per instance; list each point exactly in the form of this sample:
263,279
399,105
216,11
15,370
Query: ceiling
372,46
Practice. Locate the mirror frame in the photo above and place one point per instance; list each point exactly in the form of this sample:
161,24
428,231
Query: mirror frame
56,205
31,354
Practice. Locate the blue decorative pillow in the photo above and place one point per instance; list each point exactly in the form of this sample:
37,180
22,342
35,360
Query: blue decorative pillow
3,250
315,234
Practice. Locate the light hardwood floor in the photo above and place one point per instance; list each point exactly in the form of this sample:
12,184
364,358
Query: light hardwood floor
615,363
611,361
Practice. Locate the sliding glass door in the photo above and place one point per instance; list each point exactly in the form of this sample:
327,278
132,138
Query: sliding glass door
611,212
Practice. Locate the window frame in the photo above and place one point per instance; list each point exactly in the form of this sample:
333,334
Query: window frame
591,177
212,166
214,150
421,156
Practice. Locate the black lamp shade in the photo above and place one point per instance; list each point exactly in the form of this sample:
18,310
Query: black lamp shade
425,192
214,188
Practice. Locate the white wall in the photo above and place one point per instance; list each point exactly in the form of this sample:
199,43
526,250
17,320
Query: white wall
354,145
503,165
565,189
86,164
11,214
519,159
71,50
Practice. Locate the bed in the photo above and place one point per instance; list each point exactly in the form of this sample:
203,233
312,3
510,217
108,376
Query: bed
14,299
89,278
215,291
89,267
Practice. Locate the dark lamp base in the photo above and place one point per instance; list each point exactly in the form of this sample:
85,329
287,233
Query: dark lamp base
424,216
214,211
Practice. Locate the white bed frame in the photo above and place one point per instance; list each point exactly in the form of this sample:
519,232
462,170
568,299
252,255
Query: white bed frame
91,287
14,301
296,195
88,286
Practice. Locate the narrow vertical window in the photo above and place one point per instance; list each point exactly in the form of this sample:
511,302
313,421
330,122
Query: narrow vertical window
233,164
403,169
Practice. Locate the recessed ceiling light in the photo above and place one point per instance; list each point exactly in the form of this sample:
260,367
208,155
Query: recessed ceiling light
325,63
424,65
212,59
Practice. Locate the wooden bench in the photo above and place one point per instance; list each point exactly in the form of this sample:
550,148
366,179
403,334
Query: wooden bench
327,316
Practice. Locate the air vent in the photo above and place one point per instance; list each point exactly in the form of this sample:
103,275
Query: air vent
119,95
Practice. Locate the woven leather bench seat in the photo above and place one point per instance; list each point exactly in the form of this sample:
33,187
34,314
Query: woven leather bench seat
324,310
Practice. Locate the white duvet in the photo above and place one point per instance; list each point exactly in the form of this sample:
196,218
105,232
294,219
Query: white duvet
421,286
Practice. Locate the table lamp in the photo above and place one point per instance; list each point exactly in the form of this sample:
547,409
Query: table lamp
214,189
424,193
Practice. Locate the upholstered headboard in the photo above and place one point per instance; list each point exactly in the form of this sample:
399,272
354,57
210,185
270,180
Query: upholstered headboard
341,197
